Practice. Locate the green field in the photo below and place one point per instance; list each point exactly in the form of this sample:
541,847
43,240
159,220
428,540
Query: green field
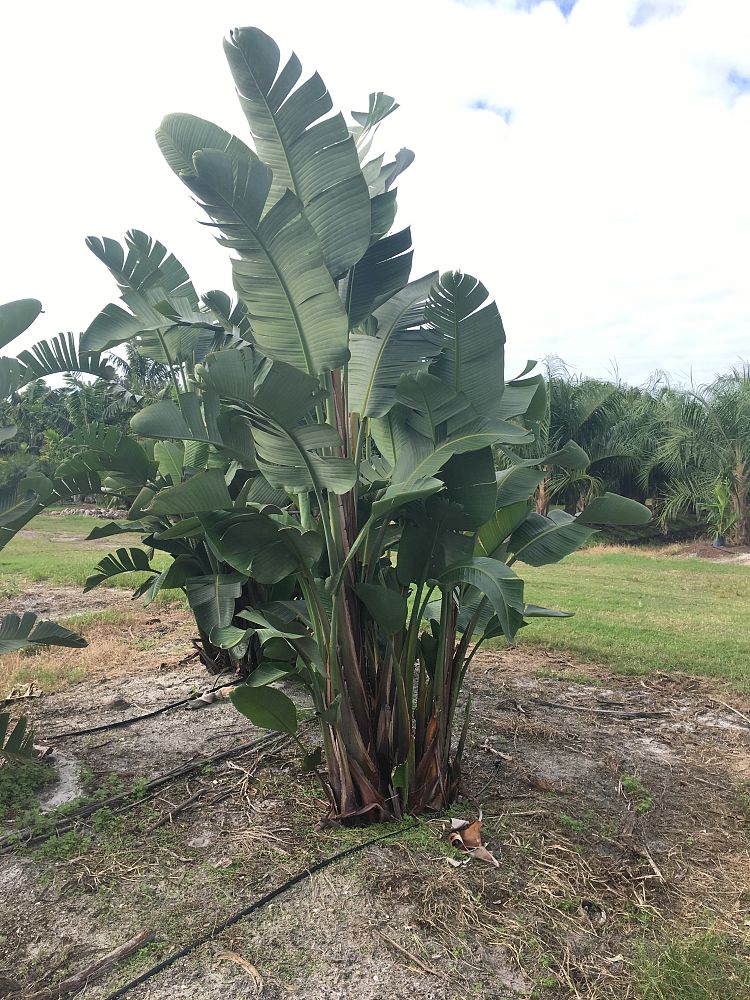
54,549
636,611
641,612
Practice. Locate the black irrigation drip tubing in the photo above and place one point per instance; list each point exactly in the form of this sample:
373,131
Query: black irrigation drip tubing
135,718
251,908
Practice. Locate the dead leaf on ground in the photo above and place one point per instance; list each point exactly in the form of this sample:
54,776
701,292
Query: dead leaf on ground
232,956
541,784
466,835
31,690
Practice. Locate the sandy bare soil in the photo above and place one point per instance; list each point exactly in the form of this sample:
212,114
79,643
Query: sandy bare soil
617,808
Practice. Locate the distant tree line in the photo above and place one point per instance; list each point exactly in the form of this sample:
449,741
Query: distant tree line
683,451
45,416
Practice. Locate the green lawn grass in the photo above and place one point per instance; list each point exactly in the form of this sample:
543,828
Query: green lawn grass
55,550
641,613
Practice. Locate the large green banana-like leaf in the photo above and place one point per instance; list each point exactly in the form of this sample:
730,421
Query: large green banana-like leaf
231,374
469,480
499,527
117,563
232,316
497,582
266,707
17,316
399,346
198,422
398,495
51,357
206,491
18,632
164,316
288,458
145,266
612,509
19,745
102,447
111,528
571,456
525,398
170,457
285,450
472,339
445,423
212,599
258,546
539,540
382,272
316,158
280,274
517,484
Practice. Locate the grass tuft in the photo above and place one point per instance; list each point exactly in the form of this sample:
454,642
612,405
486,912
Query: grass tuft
711,967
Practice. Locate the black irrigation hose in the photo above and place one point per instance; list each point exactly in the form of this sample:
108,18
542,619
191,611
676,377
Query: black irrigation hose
135,718
247,910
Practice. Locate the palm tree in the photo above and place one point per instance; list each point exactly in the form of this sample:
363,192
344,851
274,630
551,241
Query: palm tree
593,413
704,441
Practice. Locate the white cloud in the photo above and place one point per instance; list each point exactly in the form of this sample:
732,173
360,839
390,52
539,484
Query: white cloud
609,214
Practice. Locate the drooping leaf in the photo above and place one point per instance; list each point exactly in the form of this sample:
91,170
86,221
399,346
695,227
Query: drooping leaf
385,605
266,707
17,316
517,483
496,581
539,540
257,545
499,527
397,495
61,354
116,563
266,673
117,528
18,632
614,510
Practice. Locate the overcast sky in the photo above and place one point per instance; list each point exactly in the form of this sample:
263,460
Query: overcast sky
589,160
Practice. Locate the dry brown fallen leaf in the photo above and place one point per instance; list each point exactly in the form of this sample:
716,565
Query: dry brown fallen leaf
466,836
232,956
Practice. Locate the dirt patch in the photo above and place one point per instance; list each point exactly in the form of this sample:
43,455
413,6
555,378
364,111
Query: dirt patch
704,550
49,601
123,646
618,809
